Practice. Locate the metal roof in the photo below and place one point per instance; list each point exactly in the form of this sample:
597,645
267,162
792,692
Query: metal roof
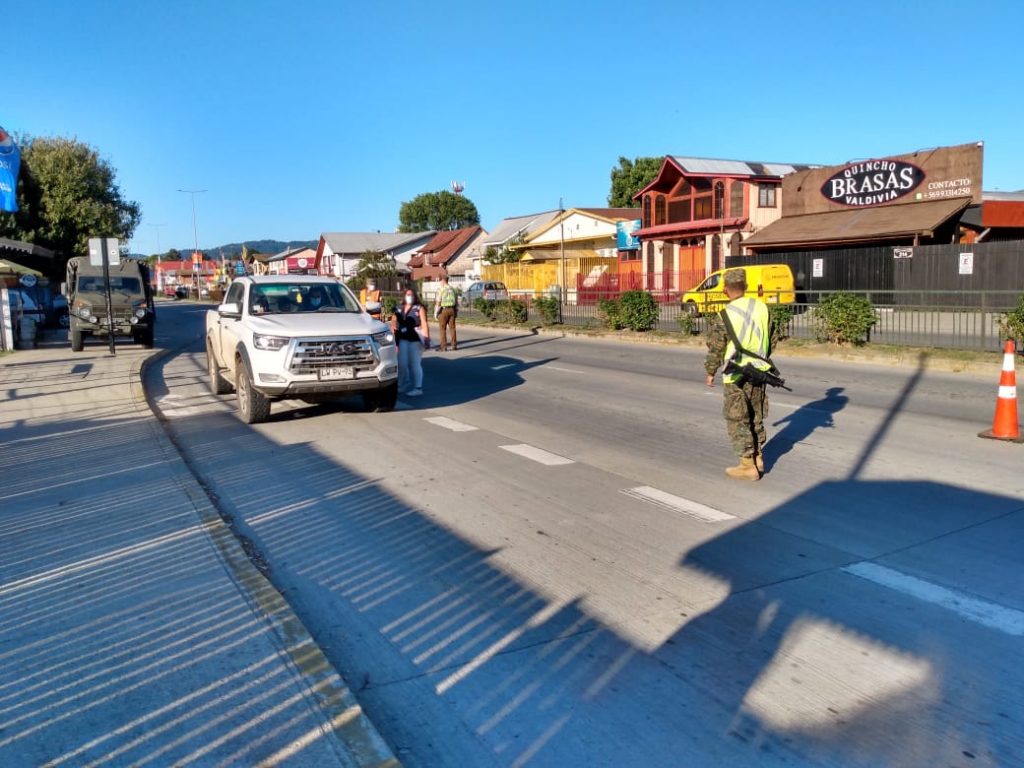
512,226
360,242
713,167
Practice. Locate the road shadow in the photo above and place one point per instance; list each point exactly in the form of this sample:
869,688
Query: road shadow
802,423
461,660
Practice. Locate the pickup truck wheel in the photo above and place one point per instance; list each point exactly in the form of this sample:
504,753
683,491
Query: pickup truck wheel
253,406
77,339
218,385
381,400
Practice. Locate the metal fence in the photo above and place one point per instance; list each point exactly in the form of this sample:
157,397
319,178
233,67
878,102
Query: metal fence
904,318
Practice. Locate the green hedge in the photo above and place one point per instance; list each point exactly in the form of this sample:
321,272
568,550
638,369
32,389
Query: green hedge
843,318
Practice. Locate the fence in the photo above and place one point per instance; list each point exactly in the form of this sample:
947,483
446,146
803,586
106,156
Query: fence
904,318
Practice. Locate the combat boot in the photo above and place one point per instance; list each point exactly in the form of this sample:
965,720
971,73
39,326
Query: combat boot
745,470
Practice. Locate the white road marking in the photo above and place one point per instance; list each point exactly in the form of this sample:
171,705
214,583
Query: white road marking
537,454
564,370
502,366
983,612
674,503
452,424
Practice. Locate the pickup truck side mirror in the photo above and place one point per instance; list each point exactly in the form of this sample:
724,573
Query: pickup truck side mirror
373,307
233,309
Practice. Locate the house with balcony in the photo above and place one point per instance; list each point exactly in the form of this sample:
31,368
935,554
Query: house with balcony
695,212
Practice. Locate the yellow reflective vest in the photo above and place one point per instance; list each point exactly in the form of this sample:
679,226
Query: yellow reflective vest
749,319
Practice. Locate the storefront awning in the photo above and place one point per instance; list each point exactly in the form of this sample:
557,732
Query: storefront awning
858,225
28,249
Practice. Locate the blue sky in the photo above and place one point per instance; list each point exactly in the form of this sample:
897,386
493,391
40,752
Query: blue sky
316,116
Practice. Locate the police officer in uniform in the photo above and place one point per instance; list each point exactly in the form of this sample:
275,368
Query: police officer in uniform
746,403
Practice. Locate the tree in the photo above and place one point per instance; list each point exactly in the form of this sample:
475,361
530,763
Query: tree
506,254
437,211
172,255
375,264
629,178
67,193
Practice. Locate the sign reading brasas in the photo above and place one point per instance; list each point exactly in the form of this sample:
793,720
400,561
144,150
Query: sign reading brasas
873,182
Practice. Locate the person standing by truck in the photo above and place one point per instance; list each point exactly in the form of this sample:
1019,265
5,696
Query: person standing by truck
370,294
446,310
746,403
412,333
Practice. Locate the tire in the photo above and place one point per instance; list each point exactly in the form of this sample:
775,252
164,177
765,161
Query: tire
218,385
63,320
77,339
253,406
381,400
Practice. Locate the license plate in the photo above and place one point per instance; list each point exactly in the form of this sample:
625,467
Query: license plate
332,374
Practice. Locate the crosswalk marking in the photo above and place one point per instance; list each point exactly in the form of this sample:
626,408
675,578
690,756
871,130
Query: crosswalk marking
679,504
537,454
452,424
983,612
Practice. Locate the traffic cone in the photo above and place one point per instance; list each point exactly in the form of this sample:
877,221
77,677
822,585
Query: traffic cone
1004,424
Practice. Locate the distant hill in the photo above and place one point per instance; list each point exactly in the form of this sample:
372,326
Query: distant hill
234,250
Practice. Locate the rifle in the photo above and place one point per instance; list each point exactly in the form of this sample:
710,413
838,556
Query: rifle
771,377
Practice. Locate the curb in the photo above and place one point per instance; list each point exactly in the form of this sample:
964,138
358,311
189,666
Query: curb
358,743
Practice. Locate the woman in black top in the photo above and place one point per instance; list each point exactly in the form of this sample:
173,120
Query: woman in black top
413,334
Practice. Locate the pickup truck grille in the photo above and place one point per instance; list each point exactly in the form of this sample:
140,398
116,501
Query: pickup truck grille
312,355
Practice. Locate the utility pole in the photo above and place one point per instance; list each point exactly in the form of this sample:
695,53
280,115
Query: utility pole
159,254
195,234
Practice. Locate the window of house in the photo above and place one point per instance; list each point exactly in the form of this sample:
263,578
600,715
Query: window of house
647,211
719,198
766,195
735,244
716,253
680,210
736,199
702,208
660,210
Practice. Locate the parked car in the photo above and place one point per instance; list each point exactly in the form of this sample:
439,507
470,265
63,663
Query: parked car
489,289
181,292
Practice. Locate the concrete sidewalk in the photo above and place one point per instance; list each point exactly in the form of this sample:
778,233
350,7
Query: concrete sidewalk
133,628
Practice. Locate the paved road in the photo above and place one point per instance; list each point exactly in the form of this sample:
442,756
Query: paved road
540,561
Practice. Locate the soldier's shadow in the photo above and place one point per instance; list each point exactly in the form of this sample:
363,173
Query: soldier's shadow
802,423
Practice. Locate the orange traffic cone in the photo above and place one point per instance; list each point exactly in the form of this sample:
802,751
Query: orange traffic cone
1004,424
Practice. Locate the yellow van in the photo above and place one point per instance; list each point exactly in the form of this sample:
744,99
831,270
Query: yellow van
773,283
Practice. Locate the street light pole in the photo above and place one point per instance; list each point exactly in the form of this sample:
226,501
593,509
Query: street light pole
159,272
195,233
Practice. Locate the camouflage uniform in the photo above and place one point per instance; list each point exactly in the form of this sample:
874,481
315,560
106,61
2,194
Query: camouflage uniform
745,404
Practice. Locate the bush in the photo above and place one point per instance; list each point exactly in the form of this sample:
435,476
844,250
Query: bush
687,323
388,305
638,310
1011,325
779,317
511,311
609,312
547,308
843,318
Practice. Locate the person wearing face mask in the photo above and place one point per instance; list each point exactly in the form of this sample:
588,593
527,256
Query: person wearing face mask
412,332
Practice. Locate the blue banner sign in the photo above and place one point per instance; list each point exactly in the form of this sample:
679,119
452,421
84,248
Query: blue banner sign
625,235
10,161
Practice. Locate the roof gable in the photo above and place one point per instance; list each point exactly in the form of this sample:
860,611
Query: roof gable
674,166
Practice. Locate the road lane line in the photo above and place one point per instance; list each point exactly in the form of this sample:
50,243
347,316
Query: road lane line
452,424
679,504
537,454
564,370
983,612
503,366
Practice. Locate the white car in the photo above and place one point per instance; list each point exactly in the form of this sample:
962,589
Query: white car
491,290
298,336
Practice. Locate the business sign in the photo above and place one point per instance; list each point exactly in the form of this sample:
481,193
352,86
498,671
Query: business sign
625,235
925,175
818,268
902,253
873,182
10,162
966,263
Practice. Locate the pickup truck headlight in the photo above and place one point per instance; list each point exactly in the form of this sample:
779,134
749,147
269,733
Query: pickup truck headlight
263,341
384,339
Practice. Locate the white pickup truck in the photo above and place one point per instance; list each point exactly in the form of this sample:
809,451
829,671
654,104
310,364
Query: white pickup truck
298,337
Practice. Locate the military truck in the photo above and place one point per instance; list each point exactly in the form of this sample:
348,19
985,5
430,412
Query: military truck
131,298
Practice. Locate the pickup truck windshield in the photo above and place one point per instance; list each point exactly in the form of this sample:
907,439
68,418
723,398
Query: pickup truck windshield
271,298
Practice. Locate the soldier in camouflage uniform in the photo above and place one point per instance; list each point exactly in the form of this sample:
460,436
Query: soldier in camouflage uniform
746,403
